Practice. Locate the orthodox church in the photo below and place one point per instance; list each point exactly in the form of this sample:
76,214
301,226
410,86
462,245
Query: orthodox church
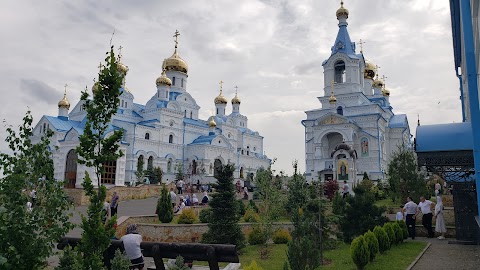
165,132
355,130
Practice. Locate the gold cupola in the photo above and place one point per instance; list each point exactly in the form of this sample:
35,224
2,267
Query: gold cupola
236,99
163,79
221,99
212,123
342,12
377,83
64,103
175,62
385,92
121,67
370,70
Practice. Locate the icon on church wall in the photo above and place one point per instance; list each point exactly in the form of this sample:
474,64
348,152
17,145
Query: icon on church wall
364,147
342,170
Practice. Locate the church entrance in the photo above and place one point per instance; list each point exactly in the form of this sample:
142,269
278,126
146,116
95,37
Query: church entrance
217,165
328,177
109,171
71,169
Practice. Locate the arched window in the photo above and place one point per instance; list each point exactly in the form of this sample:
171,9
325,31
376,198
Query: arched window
217,110
71,169
170,138
173,81
140,163
147,136
191,115
44,128
340,72
122,102
194,167
340,110
126,104
150,163
169,166
109,171
166,94
185,113
181,82
241,172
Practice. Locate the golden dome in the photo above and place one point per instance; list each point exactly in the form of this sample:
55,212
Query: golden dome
236,99
212,122
378,83
95,87
121,67
64,103
163,79
385,92
369,70
221,99
332,99
342,12
176,63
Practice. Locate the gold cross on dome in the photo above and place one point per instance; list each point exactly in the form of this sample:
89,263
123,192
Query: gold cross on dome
236,89
361,42
65,88
100,66
176,37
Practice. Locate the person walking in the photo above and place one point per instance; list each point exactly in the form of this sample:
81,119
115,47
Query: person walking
346,189
440,223
425,206
114,204
410,208
173,197
131,242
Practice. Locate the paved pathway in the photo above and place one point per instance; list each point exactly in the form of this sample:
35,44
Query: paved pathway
441,255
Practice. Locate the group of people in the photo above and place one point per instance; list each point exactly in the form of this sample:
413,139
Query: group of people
110,208
429,209
182,187
187,200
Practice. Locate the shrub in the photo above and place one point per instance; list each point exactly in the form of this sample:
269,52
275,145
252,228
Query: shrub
256,236
120,261
372,242
179,264
391,234
241,208
164,207
253,266
404,228
69,260
281,236
251,216
359,252
251,204
338,205
398,232
382,237
187,216
205,215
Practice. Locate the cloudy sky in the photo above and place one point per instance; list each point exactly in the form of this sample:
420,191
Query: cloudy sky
272,50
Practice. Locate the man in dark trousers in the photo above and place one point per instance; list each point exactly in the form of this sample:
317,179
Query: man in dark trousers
411,209
425,206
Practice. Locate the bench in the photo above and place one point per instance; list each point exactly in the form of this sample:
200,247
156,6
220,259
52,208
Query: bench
212,253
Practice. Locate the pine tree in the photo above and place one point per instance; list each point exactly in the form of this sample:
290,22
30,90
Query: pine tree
223,226
140,173
94,150
164,207
28,236
403,175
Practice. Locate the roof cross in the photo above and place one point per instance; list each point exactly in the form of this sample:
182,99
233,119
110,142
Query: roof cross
383,79
120,52
176,37
236,89
221,84
361,42
65,89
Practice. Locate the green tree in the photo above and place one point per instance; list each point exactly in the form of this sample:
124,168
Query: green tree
403,175
27,236
140,172
95,149
179,174
372,243
164,207
360,252
223,226
120,261
296,197
156,175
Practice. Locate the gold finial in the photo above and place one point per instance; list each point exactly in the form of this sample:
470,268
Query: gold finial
341,3
176,39
65,93
361,45
221,84
383,79
164,65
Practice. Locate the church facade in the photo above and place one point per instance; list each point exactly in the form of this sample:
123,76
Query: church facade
355,130
165,132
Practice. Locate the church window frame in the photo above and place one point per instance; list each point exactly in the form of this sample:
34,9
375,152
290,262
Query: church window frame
191,115
170,138
150,163
126,104
122,103
147,136
173,80
169,166
181,83
339,71
109,172
340,110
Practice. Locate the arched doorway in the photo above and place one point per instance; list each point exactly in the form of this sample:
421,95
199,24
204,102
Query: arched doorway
150,163
194,167
71,169
109,171
217,167
241,172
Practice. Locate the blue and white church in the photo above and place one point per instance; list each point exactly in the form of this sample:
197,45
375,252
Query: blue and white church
355,130
165,132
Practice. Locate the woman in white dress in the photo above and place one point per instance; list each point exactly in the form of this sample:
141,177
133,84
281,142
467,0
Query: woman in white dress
440,225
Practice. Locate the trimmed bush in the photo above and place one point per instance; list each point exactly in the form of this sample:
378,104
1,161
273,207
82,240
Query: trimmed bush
120,261
392,239
253,266
281,236
187,216
373,246
382,237
256,236
205,215
251,216
164,207
403,225
398,232
359,252
241,208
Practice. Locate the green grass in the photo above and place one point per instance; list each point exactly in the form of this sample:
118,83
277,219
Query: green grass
277,256
387,203
397,258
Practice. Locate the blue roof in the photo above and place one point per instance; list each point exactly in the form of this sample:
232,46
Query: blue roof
204,139
173,95
199,123
140,106
398,121
444,137
63,124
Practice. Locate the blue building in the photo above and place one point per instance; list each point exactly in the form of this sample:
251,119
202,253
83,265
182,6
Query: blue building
452,151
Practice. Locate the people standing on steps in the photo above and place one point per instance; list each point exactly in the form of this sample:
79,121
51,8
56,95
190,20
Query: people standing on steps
180,184
440,222
410,209
425,206
114,204
173,197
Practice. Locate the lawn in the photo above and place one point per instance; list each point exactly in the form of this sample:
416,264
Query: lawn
398,258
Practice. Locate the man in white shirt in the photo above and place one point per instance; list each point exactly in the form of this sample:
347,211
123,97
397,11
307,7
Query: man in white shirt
131,243
346,189
173,196
410,208
425,206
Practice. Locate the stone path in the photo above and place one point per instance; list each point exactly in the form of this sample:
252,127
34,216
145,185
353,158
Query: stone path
441,255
